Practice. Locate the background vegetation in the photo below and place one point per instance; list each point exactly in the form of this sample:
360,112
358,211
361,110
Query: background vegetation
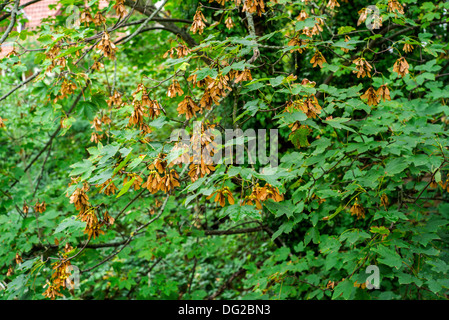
90,178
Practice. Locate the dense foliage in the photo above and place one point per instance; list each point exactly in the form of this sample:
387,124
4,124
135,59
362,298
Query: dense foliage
95,182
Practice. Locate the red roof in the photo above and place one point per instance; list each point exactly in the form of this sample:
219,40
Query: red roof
38,11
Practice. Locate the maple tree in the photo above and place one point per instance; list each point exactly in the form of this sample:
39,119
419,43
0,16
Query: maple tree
109,128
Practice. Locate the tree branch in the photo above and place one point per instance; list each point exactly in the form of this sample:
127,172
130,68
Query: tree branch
20,85
7,15
12,23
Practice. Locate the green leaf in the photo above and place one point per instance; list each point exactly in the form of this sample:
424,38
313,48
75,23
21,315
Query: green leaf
307,23
299,137
312,234
122,164
102,176
70,223
354,236
388,257
85,167
345,29
343,290
204,72
338,123
158,123
380,230
390,215
126,187
276,81
108,152
288,118
329,244
136,162
237,212
395,166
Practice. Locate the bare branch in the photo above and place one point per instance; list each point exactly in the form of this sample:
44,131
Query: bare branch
11,24
20,85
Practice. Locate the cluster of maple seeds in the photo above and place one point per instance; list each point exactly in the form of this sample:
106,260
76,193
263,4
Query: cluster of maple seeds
18,259
254,6
347,38
357,210
198,24
137,183
200,170
39,207
317,59
257,196
86,18
445,185
363,68
2,122
87,213
96,124
393,7
401,67
115,100
67,88
240,76
229,23
374,97
51,55
108,187
143,107
407,48
376,20
308,104
221,195
260,194
60,276
315,30
214,90
188,107
332,4
331,284
160,176
107,46
203,145
120,8
97,65
250,6
181,51
297,41
174,89
310,31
